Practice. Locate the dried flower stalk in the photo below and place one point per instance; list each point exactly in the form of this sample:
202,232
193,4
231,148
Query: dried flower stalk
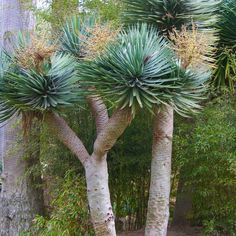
35,53
99,37
192,47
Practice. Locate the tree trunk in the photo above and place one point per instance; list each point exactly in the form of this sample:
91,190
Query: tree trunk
99,198
21,196
158,204
108,131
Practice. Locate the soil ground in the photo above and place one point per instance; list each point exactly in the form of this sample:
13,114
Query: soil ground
171,232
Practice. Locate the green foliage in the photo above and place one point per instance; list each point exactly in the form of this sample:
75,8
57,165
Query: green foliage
56,12
206,152
131,69
75,33
226,26
4,63
70,216
108,10
129,162
225,71
61,10
167,15
139,70
27,90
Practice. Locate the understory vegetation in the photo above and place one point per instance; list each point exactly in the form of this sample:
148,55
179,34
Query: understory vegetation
205,152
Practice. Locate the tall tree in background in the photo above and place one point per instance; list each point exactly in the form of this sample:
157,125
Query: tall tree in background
170,17
21,197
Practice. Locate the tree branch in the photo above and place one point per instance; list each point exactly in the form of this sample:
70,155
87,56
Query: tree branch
67,136
112,131
99,112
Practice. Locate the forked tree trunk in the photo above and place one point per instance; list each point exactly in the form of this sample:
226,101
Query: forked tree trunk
158,204
108,131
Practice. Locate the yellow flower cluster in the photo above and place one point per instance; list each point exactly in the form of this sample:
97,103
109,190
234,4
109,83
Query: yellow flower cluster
192,47
35,52
99,37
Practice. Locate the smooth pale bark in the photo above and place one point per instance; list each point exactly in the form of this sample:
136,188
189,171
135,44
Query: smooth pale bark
99,112
108,131
67,136
97,177
99,197
114,128
158,204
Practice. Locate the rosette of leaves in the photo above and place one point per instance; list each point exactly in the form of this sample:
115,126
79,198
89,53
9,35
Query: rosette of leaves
85,37
171,14
225,72
46,82
226,23
191,90
4,67
140,70
74,33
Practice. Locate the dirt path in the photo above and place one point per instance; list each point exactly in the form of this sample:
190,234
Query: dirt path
171,232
